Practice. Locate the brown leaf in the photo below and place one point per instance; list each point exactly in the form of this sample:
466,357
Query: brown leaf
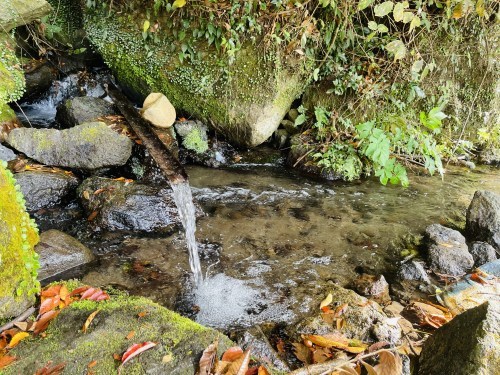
321,355
93,215
23,326
142,314
280,346
6,360
478,279
43,322
208,359
79,290
88,321
232,354
136,349
263,371
240,366
130,335
389,364
92,364
52,291
117,357
303,353
49,304
51,370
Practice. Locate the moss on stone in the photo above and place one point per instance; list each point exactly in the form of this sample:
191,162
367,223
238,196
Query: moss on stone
12,81
18,260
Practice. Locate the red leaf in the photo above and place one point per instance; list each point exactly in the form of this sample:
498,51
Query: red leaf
253,371
232,354
136,349
88,293
43,322
79,290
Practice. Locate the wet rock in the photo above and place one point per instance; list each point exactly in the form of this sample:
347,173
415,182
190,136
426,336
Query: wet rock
180,340
88,146
482,253
59,252
447,253
280,138
6,154
290,127
373,287
413,270
82,109
117,205
469,344
38,81
364,320
262,348
293,114
483,218
467,293
45,189
158,110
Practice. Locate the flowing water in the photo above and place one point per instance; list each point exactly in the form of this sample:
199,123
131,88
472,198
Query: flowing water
184,202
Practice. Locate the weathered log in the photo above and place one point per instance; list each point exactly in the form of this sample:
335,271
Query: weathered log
169,165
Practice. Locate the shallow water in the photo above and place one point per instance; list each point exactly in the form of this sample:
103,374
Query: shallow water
272,241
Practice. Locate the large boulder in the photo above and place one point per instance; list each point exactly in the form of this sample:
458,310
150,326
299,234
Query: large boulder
244,99
83,109
180,341
89,146
59,252
116,205
469,344
483,218
18,260
43,189
15,13
447,253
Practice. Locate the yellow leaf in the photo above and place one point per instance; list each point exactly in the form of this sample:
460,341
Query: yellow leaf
325,342
89,320
481,12
17,338
355,349
458,11
179,3
328,299
167,358
145,26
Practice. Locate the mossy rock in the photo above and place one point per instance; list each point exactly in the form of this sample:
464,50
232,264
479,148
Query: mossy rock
180,341
244,100
12,81
15,13
18,260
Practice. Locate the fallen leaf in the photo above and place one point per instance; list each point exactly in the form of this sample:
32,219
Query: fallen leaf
325,342
52,291
135,350
117,357
89,320
280,346
87,293
23,326
86,194
208,359
93,215
6,360
16,339
142,314
79,290
92,364
263,371
51,370
232,353
49,304
43,322
303,353
355,349
64,293
130,335
328,299
478,279
321,355
167,358
240,365
341,309
389,364
99,191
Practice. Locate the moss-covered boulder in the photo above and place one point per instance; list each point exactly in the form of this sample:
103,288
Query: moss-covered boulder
15,13
18,260
244,99
180,341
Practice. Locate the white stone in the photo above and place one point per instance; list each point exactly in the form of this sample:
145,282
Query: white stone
158,110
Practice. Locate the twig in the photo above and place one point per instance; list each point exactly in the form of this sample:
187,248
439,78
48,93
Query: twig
20,318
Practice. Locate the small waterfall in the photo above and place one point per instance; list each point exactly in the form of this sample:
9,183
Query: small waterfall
184,202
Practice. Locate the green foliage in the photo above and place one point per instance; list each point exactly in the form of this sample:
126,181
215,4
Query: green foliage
195,141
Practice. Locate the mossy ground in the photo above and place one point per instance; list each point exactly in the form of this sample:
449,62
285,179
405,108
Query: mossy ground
18,260
178,338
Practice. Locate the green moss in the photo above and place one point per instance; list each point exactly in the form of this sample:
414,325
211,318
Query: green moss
194,141
18,260
7,115
12,83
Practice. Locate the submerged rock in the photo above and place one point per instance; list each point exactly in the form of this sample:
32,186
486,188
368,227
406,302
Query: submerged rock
483,218
180,341
83,109
158,110
45,189
447,253
364,320
469,344
59,252
482,253
89,146
413,270
117,205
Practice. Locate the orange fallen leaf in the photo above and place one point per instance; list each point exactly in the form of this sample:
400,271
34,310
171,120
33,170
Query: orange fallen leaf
51,370
79,290
43,322
263,371
49,304
478,279
142,314
92,364
117,357
64,293
280,346
6,360
93,215
135,350
52,291
130,335
232,353
16,339
89,320
240,365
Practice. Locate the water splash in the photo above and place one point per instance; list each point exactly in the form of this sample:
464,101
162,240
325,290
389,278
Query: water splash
184,202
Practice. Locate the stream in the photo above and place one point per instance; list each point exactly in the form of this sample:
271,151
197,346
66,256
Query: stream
271,241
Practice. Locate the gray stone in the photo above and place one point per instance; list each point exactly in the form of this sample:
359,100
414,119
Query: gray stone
60,252
293,114
281,138
490,156
373,287
483,218
88,146
45,189
413,270
482,253
469,344
83,109
262,349
15,13
131,206
158,110
38,81
364,320
290,127
6,154
447,253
